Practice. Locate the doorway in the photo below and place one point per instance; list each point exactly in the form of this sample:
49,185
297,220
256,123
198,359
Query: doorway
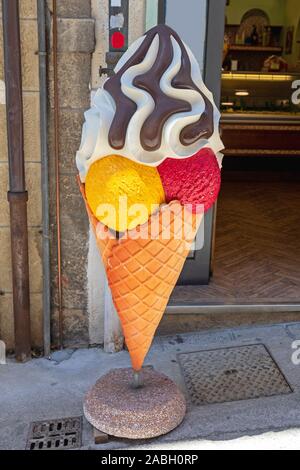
202,28
256,257
257,249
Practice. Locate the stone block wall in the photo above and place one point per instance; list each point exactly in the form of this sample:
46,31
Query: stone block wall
30,65
137,24
82,44
76,40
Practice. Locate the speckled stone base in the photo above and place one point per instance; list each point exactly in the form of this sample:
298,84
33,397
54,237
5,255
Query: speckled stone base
114,407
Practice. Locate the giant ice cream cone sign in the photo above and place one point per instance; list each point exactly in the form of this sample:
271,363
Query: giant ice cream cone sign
148,170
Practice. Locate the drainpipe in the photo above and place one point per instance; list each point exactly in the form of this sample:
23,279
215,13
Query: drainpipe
41,6
17,195
57,169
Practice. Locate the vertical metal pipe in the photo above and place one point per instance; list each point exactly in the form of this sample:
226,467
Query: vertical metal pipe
162,7
41,6
17,195
57,170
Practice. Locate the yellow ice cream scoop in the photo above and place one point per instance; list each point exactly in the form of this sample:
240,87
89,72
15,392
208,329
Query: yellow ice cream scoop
122,194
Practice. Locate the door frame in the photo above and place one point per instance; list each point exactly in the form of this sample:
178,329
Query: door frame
161,11
198,269
215,30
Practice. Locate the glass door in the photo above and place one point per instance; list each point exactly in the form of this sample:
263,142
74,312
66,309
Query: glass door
200,23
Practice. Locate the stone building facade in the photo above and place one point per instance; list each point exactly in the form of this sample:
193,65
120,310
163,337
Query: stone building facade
82,45
31,91
76,42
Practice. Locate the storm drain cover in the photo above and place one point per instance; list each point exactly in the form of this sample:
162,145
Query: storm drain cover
55,434
232,374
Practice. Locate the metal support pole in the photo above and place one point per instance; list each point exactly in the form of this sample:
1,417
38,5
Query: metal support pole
137,380
17,195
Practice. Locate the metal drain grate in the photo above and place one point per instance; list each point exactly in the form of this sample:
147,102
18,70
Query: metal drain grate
232,374
55,434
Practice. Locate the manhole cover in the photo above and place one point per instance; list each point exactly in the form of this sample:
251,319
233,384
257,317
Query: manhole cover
55,434
232,374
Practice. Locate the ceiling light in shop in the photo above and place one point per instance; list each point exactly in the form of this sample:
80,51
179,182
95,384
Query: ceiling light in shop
242,93
227,103
265,77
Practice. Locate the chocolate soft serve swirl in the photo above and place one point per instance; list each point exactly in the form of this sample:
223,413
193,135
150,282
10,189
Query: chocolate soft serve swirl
156,106
165,106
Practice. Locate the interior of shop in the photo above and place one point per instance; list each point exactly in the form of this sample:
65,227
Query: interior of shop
261,57
257,250
257,234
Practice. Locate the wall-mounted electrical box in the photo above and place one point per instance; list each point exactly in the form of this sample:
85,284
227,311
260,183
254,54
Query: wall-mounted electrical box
118,34
118,25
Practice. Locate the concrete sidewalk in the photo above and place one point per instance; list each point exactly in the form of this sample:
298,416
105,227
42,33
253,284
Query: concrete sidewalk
53,389
284,440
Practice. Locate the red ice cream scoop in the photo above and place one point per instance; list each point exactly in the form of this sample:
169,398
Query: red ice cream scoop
195,180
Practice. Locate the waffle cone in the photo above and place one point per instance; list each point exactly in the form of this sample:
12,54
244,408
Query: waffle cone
143,270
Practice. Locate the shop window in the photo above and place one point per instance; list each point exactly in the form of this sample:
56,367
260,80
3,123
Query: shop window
261,60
